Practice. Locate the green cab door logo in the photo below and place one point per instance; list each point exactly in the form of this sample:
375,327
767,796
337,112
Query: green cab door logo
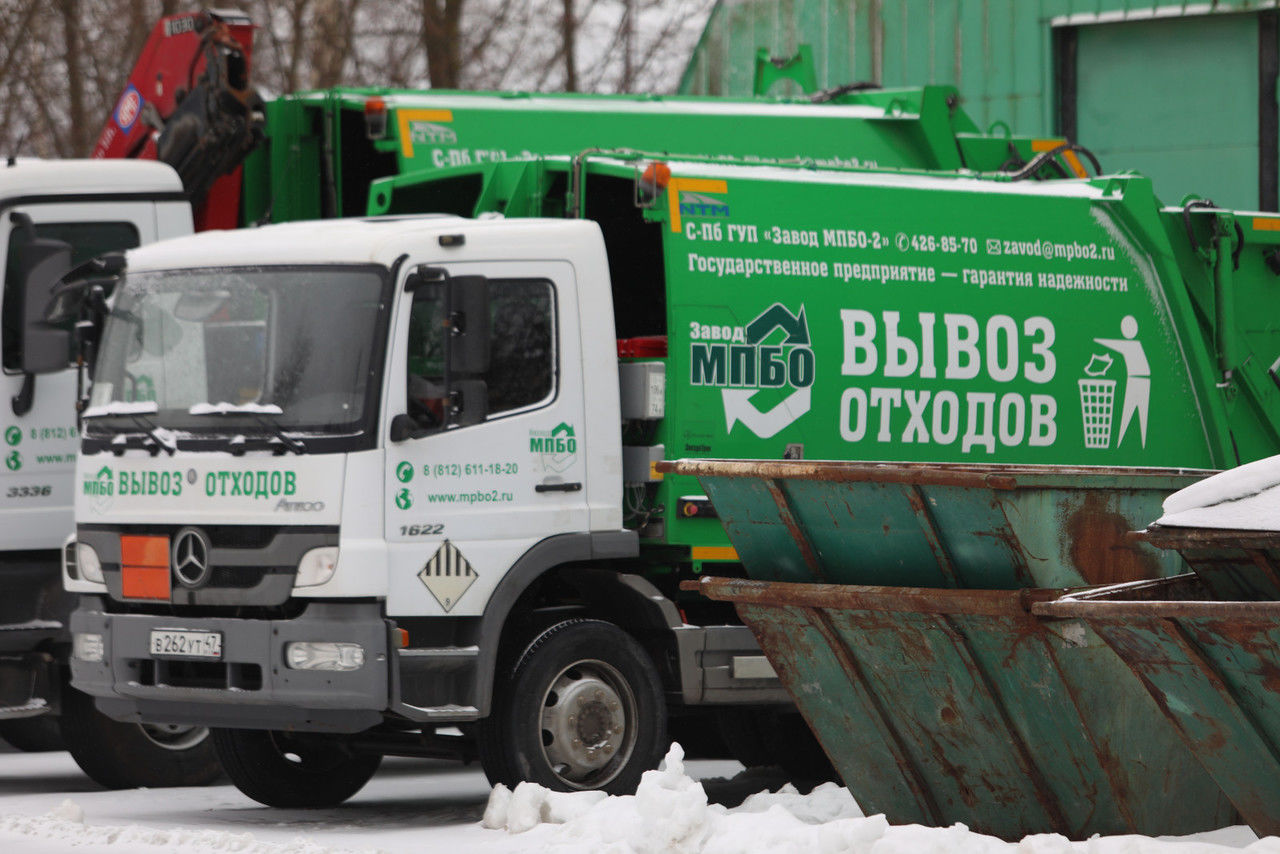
556,449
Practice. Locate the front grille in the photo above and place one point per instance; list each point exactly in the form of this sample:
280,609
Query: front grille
249,565
214,675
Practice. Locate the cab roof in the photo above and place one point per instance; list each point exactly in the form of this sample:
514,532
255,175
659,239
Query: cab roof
366,240
31,177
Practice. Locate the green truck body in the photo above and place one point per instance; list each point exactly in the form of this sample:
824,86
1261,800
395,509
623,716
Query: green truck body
323,148
890,315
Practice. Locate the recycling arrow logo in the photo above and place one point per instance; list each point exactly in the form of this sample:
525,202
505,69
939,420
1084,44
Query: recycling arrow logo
753,364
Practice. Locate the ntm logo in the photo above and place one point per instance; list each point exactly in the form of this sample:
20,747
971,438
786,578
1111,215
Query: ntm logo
696,197
697,204
424,127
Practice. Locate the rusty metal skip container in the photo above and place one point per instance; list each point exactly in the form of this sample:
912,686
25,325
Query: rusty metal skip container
936,692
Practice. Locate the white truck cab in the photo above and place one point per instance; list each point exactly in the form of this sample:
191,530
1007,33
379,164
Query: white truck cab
84,208
344,483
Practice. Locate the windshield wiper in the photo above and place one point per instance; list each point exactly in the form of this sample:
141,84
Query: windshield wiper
136,411
258,412
162,441
290,442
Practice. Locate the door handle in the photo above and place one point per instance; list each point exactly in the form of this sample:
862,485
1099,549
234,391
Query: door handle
558,487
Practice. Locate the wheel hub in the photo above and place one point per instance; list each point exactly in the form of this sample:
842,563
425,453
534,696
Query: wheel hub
587,724
174,736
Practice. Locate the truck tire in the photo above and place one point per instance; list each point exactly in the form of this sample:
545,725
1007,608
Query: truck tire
292,770
583,709
127,755
33,735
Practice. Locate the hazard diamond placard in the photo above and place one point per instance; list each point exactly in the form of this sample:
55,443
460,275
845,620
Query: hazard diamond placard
447,575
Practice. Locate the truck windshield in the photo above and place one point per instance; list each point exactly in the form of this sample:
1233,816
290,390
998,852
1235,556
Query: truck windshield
234,350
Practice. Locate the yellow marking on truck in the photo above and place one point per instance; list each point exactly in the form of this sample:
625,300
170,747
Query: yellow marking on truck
690,185
404,117
715,553
1266,223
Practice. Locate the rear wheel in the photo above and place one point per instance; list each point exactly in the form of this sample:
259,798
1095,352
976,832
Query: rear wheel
293,770
127,755
583,709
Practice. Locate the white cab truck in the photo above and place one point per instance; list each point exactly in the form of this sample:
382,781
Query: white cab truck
81,208
371,502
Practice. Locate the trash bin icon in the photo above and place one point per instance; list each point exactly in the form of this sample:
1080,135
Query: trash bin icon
1097,400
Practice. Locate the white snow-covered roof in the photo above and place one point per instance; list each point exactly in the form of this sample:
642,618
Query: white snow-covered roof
643,104
71,177
1245,498
375,240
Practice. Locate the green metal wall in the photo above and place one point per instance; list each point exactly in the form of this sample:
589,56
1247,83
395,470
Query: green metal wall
1170,89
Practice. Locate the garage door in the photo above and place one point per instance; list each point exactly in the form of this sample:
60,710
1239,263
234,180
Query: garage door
1178,100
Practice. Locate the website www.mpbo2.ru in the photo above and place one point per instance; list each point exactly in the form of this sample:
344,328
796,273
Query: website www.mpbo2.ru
491,496
45,459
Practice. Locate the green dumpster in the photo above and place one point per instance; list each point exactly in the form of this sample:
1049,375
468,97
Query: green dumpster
895,603
1211,666
933,525
942,706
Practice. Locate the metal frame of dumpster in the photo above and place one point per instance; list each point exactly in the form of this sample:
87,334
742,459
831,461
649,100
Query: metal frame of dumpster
940,525
942,706
1212,668
1235,565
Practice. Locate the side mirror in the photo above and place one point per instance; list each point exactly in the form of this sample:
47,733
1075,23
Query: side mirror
468,307
404,428
42,263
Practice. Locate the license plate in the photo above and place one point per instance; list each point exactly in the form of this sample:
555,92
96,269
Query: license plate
176,642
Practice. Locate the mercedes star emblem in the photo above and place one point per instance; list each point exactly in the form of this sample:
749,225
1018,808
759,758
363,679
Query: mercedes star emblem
191,558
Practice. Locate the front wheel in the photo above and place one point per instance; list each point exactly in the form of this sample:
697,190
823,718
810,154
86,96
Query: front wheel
293,770
583,710
128,755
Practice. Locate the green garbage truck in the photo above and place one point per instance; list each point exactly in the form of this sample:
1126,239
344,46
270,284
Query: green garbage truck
322,149
392,487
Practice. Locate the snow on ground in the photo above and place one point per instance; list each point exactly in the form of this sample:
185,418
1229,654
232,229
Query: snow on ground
47,806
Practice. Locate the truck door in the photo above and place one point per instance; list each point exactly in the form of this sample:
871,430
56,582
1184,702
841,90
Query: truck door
465,499
38,444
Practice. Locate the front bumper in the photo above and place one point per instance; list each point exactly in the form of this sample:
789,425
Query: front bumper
249,687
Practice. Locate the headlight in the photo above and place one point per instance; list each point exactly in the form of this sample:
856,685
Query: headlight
317,566
323,655
88,563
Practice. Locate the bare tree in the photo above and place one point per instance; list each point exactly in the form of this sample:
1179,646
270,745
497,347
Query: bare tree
64,63
440,36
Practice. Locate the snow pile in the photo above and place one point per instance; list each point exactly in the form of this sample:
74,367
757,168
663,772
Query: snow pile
1243,498
669,814
66,826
